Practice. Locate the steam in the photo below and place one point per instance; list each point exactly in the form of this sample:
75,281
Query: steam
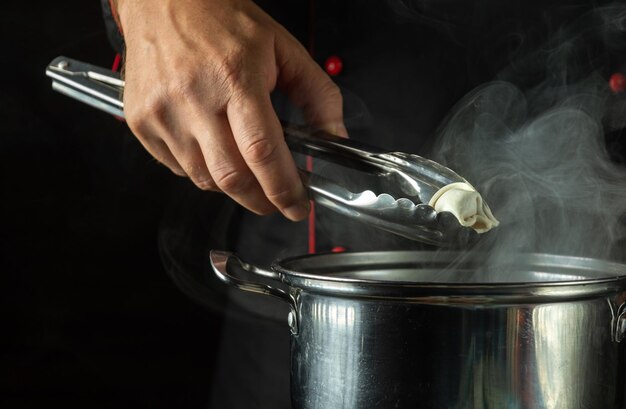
547,178
532,143
538,156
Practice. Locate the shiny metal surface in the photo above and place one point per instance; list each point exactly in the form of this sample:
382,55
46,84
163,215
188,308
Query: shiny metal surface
406,182
452,277
379,354
229,269
95,86
364,342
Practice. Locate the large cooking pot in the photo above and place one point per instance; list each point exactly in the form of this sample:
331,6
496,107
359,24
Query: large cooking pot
409,330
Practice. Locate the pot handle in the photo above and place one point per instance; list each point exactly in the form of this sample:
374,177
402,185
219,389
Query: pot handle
225,266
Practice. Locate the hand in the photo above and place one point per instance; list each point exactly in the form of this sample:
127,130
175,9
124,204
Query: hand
198,79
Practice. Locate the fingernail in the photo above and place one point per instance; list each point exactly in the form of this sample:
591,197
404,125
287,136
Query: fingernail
297,212
337,129
341,130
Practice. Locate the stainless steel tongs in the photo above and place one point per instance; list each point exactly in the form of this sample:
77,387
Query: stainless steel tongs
388,190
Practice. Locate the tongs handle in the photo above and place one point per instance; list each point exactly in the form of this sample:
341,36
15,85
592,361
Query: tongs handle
90,84
332,148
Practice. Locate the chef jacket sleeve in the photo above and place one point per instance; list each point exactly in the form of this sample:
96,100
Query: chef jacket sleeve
113,30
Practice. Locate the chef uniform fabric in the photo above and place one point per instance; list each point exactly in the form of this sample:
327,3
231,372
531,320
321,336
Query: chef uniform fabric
405,63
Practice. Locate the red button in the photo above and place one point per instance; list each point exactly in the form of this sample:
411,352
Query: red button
338,249
617,82
333,65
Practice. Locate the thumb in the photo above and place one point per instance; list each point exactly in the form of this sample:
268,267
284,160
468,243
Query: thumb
309,87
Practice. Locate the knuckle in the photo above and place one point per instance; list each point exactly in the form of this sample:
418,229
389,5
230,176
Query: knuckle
332,92
254,32
251,27
230,180
282,198
200,177
230,69
239,68
260,150
205,183
182,90
140,117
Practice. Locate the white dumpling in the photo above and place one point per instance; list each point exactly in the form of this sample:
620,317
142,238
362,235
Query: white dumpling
466,204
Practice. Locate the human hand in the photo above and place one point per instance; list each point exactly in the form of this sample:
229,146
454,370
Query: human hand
198,79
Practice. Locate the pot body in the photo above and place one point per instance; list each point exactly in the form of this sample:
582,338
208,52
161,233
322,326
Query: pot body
404,330
357,354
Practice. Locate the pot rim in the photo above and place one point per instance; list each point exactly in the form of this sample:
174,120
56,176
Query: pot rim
605,277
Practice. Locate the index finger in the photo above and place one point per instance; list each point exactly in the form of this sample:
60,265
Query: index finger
260,139
309,87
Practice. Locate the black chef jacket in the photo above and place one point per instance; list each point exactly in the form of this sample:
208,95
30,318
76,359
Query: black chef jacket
405,63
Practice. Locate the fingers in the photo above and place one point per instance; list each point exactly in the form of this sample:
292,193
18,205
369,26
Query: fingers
190,111
161,152
189,155
309,87
182,155
227,167
207,154
259,139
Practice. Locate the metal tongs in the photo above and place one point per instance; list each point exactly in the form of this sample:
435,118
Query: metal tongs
392,191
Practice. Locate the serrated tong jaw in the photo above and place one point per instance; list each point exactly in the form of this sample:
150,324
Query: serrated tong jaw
405,185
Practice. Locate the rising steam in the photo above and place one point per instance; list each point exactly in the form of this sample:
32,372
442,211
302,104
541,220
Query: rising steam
538,156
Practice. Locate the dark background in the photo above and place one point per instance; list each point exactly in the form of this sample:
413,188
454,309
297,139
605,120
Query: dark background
88,316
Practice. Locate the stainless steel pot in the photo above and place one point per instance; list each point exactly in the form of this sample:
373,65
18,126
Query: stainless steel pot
406,330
